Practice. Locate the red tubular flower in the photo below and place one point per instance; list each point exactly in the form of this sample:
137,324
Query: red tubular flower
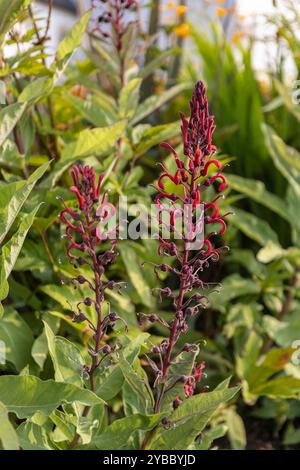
198,170
84,236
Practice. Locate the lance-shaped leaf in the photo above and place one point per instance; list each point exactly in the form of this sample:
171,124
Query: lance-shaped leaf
153,103
189,419
24,395
99,142
9,116
9,13
73,38
11,208
118,434
10,253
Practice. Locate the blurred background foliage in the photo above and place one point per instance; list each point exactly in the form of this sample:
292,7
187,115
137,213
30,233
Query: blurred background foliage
112,111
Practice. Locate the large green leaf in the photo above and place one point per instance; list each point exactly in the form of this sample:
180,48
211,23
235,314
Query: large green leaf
137,394
98,142
73,38
117,435
156,102
34,437
9,209
233,286
281,387
9,116
9,13
67,360
37,89
285,158
8,436
11,250
26,394
17,337
189,419
257,191
252,226
236,430
129,97
154,135
284,333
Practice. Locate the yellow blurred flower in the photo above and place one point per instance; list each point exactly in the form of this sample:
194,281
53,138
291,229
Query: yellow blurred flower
181,10
220,2
183,30
170,5
237,36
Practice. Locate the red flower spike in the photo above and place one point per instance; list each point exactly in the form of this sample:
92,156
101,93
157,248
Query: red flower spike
83,235
199,170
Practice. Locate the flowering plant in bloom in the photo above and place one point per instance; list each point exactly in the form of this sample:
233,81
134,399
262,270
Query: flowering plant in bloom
195,173
86,236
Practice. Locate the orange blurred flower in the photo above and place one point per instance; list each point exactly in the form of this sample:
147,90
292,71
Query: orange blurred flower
183,30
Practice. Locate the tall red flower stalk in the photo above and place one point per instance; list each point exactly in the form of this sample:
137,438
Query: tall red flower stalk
86,237
195,173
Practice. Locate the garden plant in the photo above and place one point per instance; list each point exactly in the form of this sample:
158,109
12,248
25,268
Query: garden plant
149,232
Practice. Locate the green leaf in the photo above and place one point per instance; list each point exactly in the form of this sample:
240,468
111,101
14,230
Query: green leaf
284,333
109,380
256,229
155,102
9,116
189,419
25,395
117,435
215,432
233,286
66,357
281,387
136,391
89,108
11,208
158,61
8,436
256,190
34,437
154,135
40,350
17,338
236,430
37,89
136,275
285,158
98,142
73,38
11,251
129,98
10,11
